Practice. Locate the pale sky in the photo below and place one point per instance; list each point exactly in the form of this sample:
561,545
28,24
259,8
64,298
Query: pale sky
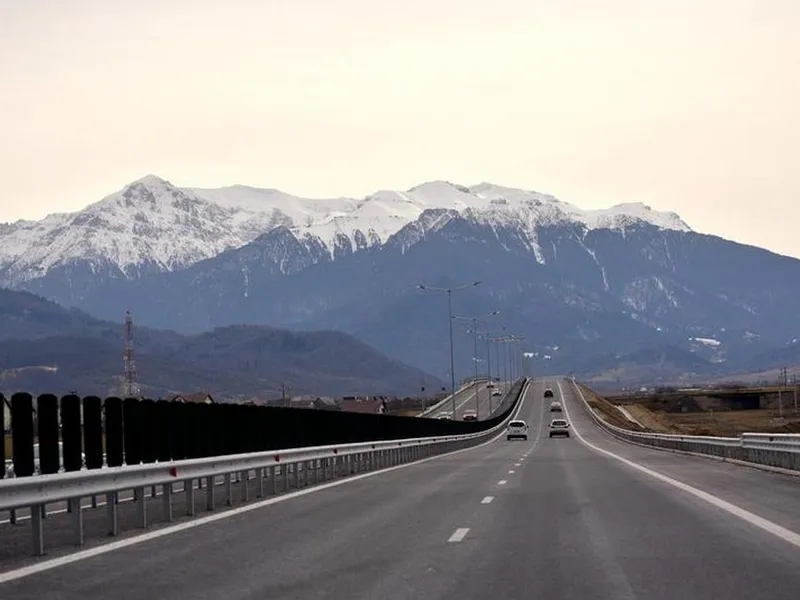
686,105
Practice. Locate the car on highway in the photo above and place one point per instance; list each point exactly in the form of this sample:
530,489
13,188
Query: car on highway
556,407
445,415
559,427
517,429
497,393
469,415
548,393
490,385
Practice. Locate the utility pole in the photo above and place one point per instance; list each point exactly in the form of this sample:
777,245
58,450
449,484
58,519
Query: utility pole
130,387
285,390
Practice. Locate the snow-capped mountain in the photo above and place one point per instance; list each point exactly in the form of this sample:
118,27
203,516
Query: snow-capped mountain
587,289
151,225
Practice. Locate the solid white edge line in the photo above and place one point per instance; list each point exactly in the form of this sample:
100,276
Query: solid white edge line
777,530
61,561
459,534
487,500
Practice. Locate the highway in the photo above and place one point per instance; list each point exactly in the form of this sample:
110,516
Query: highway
465,400
545,518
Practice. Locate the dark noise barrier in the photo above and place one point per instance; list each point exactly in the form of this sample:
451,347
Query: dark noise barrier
74,433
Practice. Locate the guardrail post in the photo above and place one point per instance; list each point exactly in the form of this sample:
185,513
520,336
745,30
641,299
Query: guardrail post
37,530
245,478
260,482
166,500
228,489
111,510
285,473
77,518
188,490
141,507
210,496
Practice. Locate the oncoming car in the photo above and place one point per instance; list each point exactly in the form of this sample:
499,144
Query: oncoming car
559,427
469,415
517,429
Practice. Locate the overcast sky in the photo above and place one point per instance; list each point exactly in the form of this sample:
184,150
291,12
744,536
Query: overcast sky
686,105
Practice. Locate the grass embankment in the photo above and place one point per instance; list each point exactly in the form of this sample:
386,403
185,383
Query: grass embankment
607,411
658,414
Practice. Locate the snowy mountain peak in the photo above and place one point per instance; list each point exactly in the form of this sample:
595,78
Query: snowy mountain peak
153,224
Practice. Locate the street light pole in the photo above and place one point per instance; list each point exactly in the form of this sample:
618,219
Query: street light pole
449,292
475,320
452,360
475,360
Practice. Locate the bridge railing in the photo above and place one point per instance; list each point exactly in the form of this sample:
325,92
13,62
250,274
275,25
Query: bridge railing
273,471
769,449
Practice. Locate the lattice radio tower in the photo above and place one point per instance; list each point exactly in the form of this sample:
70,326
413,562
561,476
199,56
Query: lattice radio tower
130,387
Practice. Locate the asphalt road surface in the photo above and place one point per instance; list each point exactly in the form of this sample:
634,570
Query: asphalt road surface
542,518
465,400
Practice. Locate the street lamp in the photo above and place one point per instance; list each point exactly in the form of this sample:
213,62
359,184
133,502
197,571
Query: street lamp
475,355
449,291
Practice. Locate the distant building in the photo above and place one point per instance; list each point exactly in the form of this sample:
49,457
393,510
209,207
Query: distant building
325,403
372,406
197,398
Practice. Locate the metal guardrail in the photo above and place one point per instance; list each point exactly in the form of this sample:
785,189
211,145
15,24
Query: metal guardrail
301,466
444,401
772,449
788,442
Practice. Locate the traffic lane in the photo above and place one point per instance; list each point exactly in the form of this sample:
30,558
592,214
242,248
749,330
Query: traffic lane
366,540
773,496
581,525
461,397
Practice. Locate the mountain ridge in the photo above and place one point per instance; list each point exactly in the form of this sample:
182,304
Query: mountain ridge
47,348
151,225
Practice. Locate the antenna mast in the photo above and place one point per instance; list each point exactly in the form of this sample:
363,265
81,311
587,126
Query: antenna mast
130,388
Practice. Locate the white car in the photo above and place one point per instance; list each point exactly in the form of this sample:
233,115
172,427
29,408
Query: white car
469,415
497,393
559,427
517,429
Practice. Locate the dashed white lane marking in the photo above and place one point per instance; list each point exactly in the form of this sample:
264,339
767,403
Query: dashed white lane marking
502,482
517,464
459,534
487,500
511,472
752,518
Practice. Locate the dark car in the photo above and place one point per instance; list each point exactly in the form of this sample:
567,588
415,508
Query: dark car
548,393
